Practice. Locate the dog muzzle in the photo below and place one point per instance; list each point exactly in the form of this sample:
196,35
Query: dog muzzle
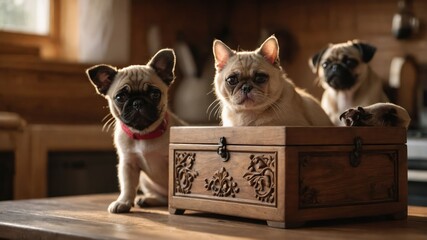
339,77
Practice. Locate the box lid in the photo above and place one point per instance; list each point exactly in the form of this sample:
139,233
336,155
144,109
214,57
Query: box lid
288,136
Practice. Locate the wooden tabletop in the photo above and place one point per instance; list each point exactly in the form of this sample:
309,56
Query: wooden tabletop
86,217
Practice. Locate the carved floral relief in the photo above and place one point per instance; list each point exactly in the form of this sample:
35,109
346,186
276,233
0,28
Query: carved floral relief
261,176
184,174
221,184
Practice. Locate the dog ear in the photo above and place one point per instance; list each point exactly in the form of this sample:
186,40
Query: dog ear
366,50
314,61
221,54
163,64
269,49
101,76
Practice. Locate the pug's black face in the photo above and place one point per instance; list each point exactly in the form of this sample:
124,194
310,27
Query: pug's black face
340,66
137,94
138,108
340,74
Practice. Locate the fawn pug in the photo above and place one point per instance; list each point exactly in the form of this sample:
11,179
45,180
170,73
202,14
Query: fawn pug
343,71
138,100
253,90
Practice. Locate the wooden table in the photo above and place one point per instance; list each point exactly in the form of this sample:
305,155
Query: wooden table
86,217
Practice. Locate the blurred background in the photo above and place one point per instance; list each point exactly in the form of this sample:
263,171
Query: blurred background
52,142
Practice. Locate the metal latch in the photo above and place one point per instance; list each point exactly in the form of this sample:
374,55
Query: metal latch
222,149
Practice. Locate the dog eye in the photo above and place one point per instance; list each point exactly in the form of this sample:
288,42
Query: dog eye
351,63
121,97
325,64
155,94
232,80
260,78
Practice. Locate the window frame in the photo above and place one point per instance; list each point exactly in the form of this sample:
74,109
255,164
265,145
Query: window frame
48,45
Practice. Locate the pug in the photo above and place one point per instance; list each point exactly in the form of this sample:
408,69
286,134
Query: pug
253,90
378,114
137,97
343,71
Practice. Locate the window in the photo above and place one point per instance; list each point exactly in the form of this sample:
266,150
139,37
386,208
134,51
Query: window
30,24
25,16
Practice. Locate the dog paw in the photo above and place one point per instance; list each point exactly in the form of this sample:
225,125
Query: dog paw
356,117
149,201
120,207
378,114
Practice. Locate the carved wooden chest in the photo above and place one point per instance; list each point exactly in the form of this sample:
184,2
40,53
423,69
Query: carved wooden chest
289,175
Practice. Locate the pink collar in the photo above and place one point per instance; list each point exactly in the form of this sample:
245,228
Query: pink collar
154,134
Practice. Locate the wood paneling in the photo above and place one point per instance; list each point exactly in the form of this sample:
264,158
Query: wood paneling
49,92
14,137
46,138
315,24
312,24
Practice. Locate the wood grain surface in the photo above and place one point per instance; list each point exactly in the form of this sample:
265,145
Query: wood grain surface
86,217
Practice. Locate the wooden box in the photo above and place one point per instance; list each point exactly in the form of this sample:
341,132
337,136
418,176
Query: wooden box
289,175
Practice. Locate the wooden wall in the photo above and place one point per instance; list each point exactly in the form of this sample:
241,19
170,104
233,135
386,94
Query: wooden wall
46,92
41,91
307,26
316,23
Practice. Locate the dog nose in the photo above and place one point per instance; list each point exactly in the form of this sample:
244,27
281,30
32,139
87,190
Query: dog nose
334,67
137,104
246,88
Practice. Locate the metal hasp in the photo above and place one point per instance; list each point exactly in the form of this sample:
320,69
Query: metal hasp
222,149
